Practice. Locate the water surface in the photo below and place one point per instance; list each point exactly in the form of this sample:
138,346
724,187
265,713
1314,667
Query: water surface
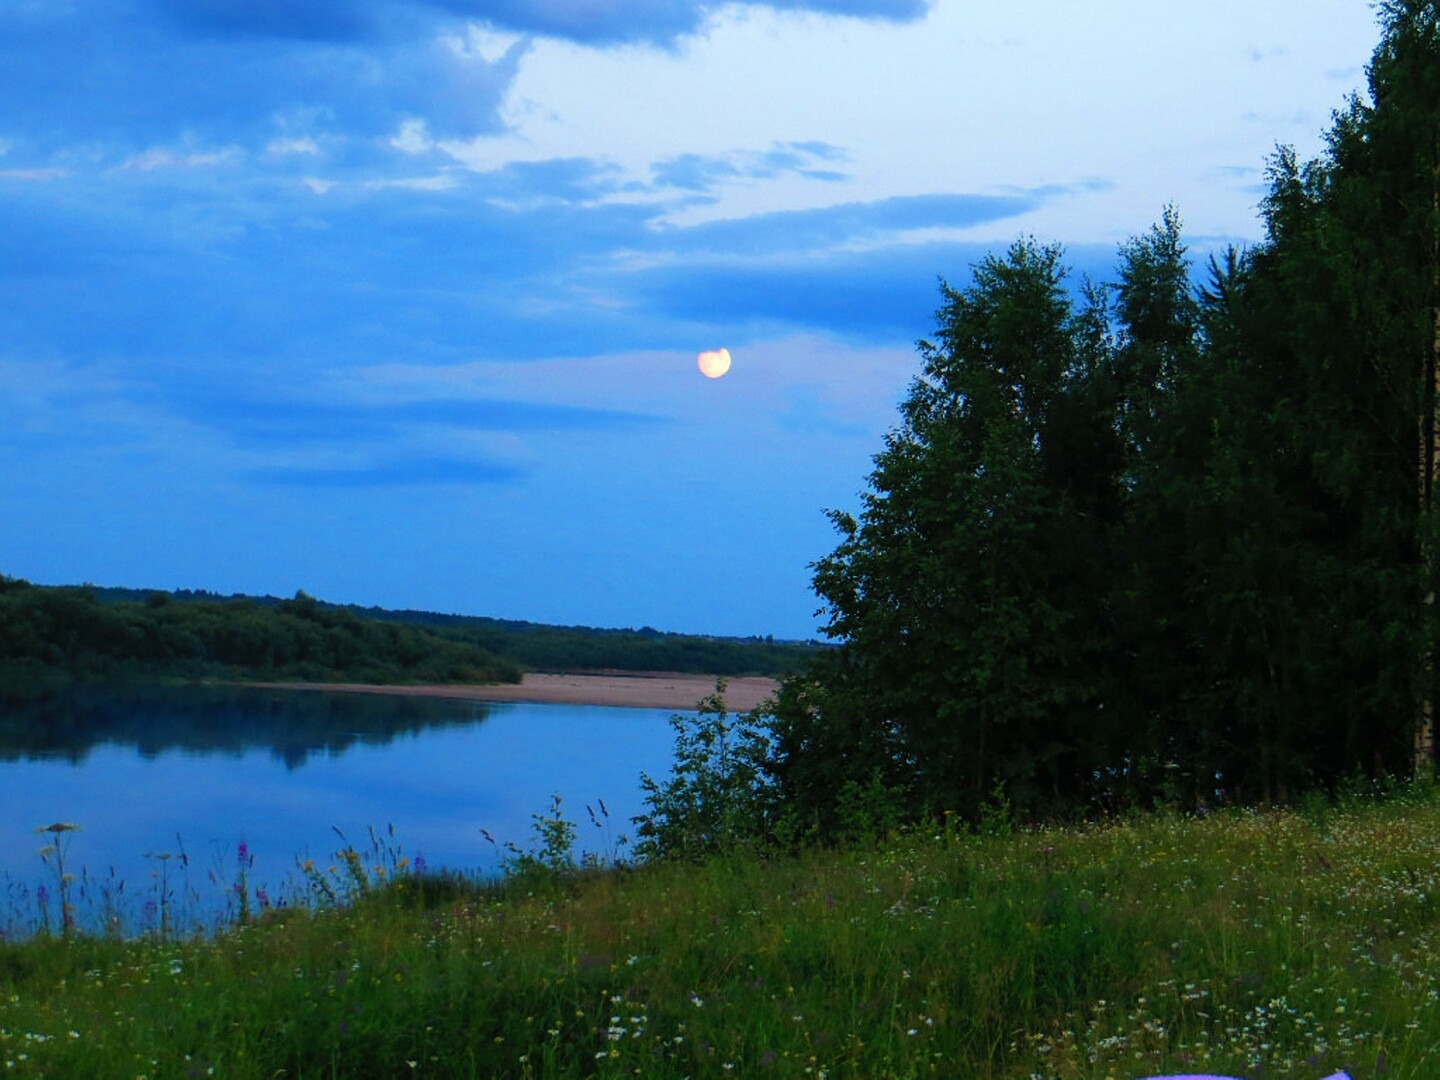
196,771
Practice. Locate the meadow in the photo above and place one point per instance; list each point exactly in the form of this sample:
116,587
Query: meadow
1292,942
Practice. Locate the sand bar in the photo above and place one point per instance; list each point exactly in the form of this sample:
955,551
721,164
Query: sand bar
627,689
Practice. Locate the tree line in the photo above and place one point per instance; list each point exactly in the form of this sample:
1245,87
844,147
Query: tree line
68,633
49,633
1158,538
546,647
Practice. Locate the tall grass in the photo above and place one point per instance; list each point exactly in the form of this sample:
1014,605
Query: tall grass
1248,944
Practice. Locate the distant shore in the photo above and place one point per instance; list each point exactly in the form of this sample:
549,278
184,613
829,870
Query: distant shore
625,689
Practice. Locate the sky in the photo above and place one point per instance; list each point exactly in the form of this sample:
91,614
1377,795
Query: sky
398,302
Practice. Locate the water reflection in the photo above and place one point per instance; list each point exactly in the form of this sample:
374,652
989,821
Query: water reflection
291,725
201,770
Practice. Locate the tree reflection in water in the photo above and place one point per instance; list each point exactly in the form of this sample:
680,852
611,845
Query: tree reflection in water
66,724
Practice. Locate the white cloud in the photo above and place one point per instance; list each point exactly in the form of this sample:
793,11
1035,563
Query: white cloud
412,137
438,182
283,147
160,158
34,175
482,43
858,386
972,97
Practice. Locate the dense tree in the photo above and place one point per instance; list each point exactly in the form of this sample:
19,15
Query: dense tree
1342,324
1170,542
965,593
48,633
98,631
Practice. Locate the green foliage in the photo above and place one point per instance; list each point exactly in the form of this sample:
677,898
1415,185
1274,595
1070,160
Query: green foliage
539,647
869,810
551,859
718,795
1160,544
996,816
1241,944
71,631
965,595
451,648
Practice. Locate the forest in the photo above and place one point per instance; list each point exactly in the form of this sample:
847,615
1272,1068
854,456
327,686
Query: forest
1170,538
50,634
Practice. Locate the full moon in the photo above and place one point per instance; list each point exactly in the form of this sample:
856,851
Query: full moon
714,362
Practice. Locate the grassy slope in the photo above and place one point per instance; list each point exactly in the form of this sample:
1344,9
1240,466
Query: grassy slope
1240,944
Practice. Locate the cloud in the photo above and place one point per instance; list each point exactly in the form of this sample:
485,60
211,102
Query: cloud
241,273
880,296
123,78
292,422
572,180
408,473
806,411
159,158
34,175
117,77
848,224
336,20
701,172
659,22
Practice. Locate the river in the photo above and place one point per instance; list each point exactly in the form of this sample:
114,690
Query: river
182,794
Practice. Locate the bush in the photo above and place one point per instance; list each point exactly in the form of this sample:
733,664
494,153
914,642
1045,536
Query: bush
719,794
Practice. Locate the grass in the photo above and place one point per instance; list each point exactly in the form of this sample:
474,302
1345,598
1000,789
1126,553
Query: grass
1245,944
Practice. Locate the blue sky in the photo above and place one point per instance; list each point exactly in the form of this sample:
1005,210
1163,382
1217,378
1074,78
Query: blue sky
398,301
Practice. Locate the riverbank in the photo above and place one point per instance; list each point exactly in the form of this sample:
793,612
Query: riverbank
624,689
1240,944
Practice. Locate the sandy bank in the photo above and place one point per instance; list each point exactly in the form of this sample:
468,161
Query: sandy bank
630,689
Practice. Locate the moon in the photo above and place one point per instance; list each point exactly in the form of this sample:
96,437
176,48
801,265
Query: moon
714,362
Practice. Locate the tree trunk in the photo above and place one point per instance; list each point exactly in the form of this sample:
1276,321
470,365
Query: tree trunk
1424,750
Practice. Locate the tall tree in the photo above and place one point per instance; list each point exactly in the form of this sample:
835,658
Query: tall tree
1157,336
1190,532
1402,132
964,593
1356,255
